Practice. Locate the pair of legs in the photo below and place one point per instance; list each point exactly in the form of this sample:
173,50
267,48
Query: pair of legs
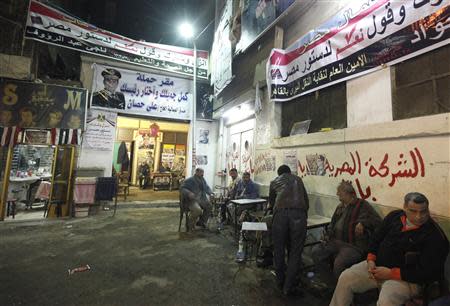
143,181
356,280
342,255
199,212
288,232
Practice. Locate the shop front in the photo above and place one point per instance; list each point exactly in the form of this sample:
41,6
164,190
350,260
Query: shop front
145,137
40,132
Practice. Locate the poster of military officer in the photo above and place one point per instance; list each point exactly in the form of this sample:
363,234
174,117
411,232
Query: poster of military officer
109,97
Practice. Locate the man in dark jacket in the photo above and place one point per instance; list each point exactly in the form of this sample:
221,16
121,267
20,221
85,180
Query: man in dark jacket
289,201
347,237
407,251
194,191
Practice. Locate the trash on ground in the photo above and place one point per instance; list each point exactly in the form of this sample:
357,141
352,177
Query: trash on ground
79,269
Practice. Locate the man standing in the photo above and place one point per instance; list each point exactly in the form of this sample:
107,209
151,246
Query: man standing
347,238
289,201
233,183
408,250
108,97
194,191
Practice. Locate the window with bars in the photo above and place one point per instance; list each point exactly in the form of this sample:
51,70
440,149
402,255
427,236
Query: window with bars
421,85
326,108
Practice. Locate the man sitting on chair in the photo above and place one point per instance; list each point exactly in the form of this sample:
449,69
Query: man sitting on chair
194,191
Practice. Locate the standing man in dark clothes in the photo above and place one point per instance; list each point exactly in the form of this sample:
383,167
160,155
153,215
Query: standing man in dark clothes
289,201
347,237
406,252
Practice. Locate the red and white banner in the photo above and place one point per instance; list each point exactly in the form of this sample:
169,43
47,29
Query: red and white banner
363,37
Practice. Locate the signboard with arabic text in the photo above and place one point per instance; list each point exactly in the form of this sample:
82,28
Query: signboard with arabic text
140,93
50,25
363,37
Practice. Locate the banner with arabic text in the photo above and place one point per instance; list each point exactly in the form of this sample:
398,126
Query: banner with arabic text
142,93
44,106
50,25
363,37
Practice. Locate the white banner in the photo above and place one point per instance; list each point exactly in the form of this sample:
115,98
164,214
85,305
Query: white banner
361,38
100,130
221,54
50,25
139,93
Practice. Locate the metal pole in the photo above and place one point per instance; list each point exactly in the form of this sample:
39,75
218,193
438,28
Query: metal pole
194,107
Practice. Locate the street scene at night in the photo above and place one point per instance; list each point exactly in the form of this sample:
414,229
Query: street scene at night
225,152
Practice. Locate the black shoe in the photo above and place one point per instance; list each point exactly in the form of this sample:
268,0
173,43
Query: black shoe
295,292
200,224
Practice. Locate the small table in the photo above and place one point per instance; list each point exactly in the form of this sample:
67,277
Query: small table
165,177
246,204
316,221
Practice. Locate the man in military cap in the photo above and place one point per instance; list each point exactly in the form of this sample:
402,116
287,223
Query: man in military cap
108,97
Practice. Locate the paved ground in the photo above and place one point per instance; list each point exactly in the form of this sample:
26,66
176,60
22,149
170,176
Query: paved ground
136,258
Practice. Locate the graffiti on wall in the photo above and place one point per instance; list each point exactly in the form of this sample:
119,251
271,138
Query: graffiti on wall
264,162
391,168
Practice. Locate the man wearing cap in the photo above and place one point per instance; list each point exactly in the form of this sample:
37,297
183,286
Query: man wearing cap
108,97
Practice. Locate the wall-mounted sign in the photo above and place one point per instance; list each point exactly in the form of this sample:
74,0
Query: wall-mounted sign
50,25
147,94
33,105
361,38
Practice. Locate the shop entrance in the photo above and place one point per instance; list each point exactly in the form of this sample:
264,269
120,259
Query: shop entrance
150,156
36,181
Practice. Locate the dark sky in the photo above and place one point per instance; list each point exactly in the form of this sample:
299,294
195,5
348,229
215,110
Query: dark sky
152,20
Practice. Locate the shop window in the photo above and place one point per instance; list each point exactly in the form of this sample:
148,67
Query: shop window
326,108
421,85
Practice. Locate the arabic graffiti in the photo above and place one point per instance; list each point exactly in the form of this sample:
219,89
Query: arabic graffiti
390,169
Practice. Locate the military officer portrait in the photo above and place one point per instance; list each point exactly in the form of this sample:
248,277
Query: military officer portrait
108,97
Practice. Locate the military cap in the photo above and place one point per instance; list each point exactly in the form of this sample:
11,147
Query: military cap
111,73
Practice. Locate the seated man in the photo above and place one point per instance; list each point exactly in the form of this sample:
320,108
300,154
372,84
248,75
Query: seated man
408,250
144,174
231,192
195,190
347,237
245,189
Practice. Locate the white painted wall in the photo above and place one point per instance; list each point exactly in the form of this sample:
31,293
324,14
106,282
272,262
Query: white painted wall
386,160
369,99
210,149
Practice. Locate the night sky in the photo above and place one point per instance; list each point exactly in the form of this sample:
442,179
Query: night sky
151,20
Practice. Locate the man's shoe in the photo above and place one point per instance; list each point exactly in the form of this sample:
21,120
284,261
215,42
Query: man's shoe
295,292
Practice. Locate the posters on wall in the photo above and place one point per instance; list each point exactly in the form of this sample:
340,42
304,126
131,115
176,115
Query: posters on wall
201,160
168,155
100,130
362,37
221,54
33,105
290,159
256,16
205,100
50,25
203,136
139,93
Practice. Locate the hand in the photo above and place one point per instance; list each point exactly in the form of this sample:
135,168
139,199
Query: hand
381,273
359,229
371,266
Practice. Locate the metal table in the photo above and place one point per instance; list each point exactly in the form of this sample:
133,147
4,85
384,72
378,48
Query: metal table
246,204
